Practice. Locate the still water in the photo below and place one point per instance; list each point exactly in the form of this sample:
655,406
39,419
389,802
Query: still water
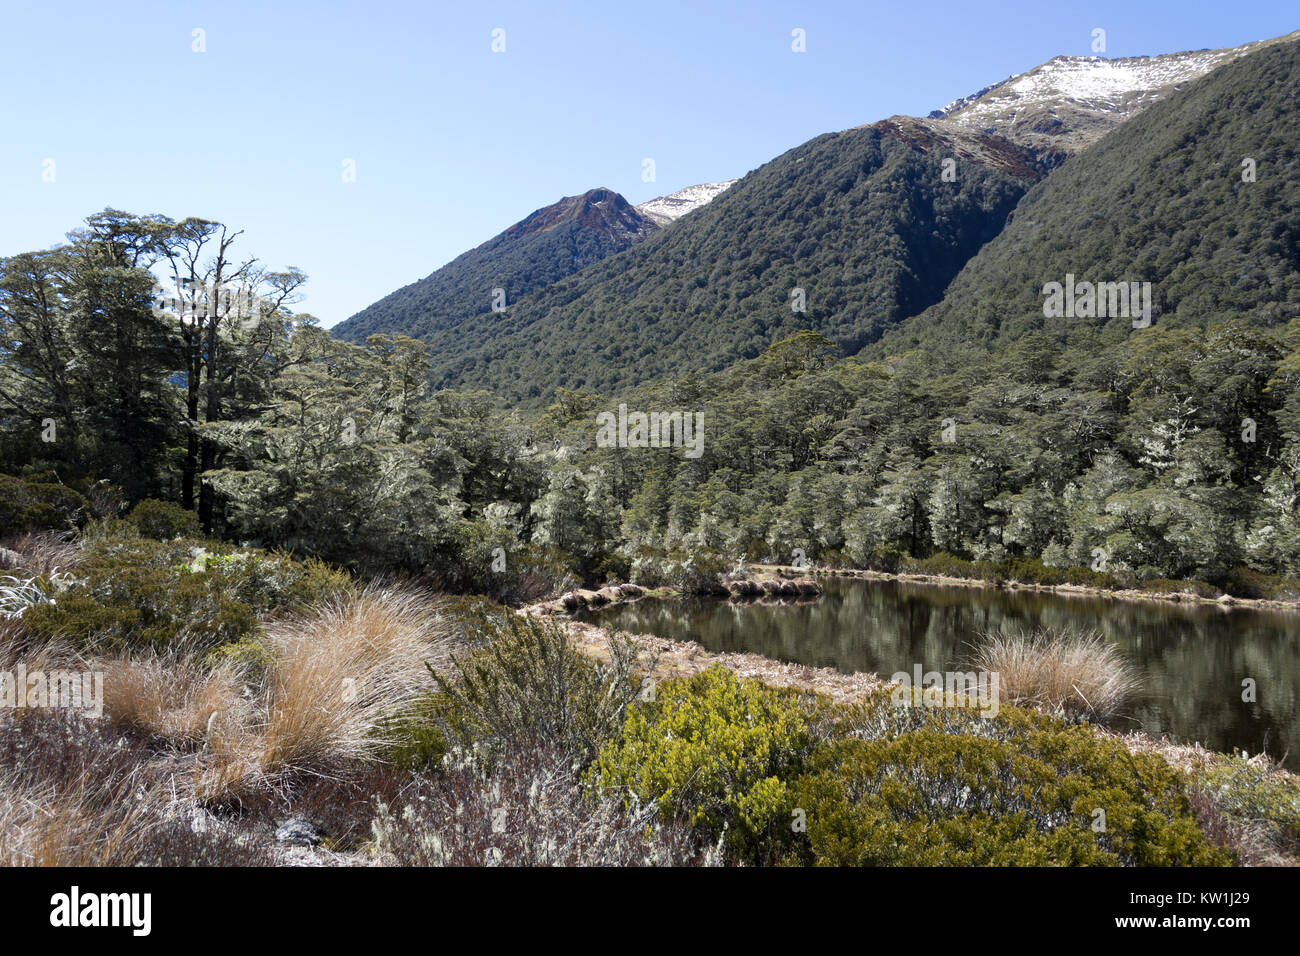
1192,659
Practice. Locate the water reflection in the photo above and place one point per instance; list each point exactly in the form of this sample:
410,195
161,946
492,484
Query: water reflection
1192,658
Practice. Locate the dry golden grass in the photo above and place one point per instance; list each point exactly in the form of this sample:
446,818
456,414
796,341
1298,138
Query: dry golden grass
68,826
338,672
1061,672
209,730
175,695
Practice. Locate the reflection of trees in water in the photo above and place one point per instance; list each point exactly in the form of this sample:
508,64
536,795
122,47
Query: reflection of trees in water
1192,658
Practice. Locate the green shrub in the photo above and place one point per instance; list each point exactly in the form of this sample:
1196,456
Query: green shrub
128,592
1253,793
416,739
492,561
1172,586
163,521
718,753
888,559
527,683
1032,571
29,505
1022,569
1245,582
944,786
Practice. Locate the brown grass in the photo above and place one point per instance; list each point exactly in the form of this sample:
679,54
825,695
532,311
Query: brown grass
340,671
75,793
174,695
1062,672
41,554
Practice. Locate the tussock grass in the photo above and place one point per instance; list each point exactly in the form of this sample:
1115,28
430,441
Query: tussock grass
40,554
1068,673
340,671
175,695
76,793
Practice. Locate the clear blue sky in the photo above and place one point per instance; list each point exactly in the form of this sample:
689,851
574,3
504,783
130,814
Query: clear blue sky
452,142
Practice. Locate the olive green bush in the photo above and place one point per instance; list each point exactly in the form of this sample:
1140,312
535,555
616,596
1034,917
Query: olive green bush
718,753
163,521
1255,793
691,570
36,503
137,592
923,786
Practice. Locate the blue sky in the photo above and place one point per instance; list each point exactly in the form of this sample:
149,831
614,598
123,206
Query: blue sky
453,142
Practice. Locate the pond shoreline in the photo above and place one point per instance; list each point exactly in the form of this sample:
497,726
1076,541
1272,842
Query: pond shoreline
673,659
678,658
1225,601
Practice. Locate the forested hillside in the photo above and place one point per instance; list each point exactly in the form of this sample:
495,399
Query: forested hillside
861,221
1199,195
980,429
554,242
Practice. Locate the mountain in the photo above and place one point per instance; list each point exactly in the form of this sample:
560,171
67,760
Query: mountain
1160,200
553,242
670,208
1070,102
863,222
862,226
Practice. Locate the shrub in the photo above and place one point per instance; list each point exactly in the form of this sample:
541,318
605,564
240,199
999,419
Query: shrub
1247,583
530,809
1032,571
715,752
691,570
27,505
1023,790
1252,792
1062,672
888,559
1171,586
493,562
163,521
136,592
528,684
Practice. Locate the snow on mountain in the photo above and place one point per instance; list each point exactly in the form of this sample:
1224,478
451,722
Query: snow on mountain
666,209
1070,102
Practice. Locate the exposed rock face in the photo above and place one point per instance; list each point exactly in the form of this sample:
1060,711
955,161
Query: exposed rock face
948,139
601,210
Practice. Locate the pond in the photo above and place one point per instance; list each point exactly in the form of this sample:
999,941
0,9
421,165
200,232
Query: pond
1192,659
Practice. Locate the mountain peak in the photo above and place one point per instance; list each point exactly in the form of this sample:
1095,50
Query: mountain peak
600,209
670,208
1064,105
